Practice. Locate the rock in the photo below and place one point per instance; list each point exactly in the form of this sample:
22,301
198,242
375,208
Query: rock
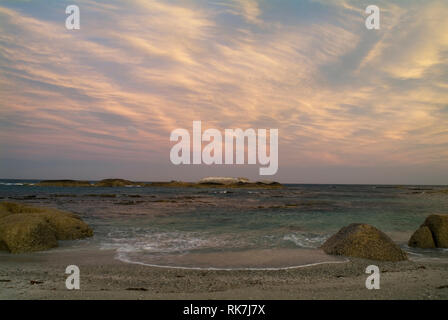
63,183
363,241
35,222
218,182
8,208
437,224
26,233
116,183
422,238
66,226
268,182
3,246
223,180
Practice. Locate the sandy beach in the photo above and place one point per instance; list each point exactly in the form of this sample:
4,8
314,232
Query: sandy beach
42,276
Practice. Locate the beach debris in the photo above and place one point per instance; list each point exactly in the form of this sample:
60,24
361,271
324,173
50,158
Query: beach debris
25,228
136,289
433,233
363,241
421,267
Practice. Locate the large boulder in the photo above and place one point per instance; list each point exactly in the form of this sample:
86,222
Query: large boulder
434,227
65,225
363,241
26,233
27,228
422,238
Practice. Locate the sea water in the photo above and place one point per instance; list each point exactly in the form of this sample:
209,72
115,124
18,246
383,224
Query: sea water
228,228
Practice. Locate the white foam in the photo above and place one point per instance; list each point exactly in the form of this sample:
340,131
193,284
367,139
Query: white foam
123,258
304,241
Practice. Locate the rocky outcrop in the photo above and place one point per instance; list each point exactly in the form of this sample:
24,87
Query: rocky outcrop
363,241
223,180
116,183
219,182
209,182
63,183
26,228
433,233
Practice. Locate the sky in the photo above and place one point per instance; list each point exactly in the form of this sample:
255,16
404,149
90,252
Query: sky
352,105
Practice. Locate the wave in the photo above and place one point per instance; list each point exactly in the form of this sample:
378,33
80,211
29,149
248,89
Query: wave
310,241
14,184
141,240
124,258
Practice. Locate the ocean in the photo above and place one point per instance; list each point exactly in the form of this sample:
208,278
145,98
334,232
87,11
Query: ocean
218,228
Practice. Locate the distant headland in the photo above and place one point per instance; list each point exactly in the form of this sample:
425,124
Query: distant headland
208,182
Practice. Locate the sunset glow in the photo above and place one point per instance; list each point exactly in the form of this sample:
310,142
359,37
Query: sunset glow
351,105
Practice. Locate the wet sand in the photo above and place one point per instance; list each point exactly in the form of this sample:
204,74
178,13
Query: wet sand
252,259
42,276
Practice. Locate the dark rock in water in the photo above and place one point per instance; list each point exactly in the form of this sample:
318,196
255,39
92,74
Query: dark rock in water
437,225
63,183
363,241
25,228
102,195
29,197
127,202
422,238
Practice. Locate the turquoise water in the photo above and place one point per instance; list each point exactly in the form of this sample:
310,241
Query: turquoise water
203,227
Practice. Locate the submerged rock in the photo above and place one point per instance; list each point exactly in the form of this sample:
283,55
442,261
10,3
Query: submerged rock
363,241
26,228
434,228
